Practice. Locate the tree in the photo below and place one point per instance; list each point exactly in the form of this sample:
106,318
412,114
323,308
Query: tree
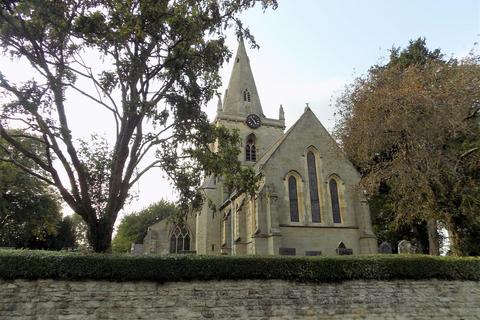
29,209
160,62
133,227
65,237
62,238
411,127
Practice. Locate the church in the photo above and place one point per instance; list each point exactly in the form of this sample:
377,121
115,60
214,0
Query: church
308,201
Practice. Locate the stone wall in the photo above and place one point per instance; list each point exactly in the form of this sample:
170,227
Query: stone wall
273,299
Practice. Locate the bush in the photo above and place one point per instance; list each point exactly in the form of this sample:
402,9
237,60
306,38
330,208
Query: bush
25,264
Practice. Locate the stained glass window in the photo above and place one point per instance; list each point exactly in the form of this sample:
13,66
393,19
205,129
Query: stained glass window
335,203
292,193
312,181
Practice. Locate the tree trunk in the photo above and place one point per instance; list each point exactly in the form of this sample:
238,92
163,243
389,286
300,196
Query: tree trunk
100,236
433,241
455,241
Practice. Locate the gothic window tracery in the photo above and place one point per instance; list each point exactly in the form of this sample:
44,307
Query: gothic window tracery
313,185
179,239
250,149
337,218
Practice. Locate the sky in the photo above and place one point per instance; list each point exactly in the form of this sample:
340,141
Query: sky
309,51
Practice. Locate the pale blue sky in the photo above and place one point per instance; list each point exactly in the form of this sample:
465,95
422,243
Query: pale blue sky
310,49
331,38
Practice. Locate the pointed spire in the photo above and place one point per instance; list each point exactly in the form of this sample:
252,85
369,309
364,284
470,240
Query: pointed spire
241,97
281,113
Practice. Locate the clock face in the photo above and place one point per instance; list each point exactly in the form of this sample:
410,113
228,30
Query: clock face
253,121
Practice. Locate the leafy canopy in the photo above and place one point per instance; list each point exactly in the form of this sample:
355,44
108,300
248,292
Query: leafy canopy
159,66
412,129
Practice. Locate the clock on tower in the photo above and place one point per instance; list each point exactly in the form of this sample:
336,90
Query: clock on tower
253,121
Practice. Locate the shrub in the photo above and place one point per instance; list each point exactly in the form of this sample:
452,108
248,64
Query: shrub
25,264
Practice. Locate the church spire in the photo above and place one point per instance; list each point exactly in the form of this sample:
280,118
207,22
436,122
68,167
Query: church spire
241,97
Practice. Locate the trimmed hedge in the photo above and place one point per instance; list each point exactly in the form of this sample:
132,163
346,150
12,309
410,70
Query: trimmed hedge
26,264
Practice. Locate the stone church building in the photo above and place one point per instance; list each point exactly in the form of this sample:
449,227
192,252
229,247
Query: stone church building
308,202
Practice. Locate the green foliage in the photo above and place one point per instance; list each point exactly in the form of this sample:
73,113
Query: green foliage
159,67
75,266
65,237
415,54
411,128
96,158
29,208
386,228
133,227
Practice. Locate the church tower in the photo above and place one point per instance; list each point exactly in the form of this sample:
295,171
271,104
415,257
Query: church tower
242,110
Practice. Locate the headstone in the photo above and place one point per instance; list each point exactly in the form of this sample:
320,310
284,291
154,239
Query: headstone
313,253
137,248
342,250
405,247
385,248
287,251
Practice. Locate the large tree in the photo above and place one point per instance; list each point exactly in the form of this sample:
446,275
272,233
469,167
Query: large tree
411,127
160,62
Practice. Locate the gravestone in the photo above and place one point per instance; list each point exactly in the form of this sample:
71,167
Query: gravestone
342,250
385,248
405,247
136,248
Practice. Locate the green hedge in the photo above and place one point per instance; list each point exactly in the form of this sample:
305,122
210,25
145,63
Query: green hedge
25,264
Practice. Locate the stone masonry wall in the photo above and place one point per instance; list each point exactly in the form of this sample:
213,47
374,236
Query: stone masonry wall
273,299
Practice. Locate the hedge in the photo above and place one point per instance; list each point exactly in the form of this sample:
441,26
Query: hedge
26,264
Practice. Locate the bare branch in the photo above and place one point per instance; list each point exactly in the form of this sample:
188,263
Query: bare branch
469,152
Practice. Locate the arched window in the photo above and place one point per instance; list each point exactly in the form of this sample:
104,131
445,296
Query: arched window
179,239
293,197
312,182
246,95
250,149
337,218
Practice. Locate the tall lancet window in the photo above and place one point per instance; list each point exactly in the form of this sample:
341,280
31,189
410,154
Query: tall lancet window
337,218
312,182
293,197
246,95
250,148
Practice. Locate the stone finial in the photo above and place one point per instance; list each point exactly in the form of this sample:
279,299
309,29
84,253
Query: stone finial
219,103
307,107
281,113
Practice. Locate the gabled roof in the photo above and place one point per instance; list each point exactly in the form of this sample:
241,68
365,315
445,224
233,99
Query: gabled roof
308,113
